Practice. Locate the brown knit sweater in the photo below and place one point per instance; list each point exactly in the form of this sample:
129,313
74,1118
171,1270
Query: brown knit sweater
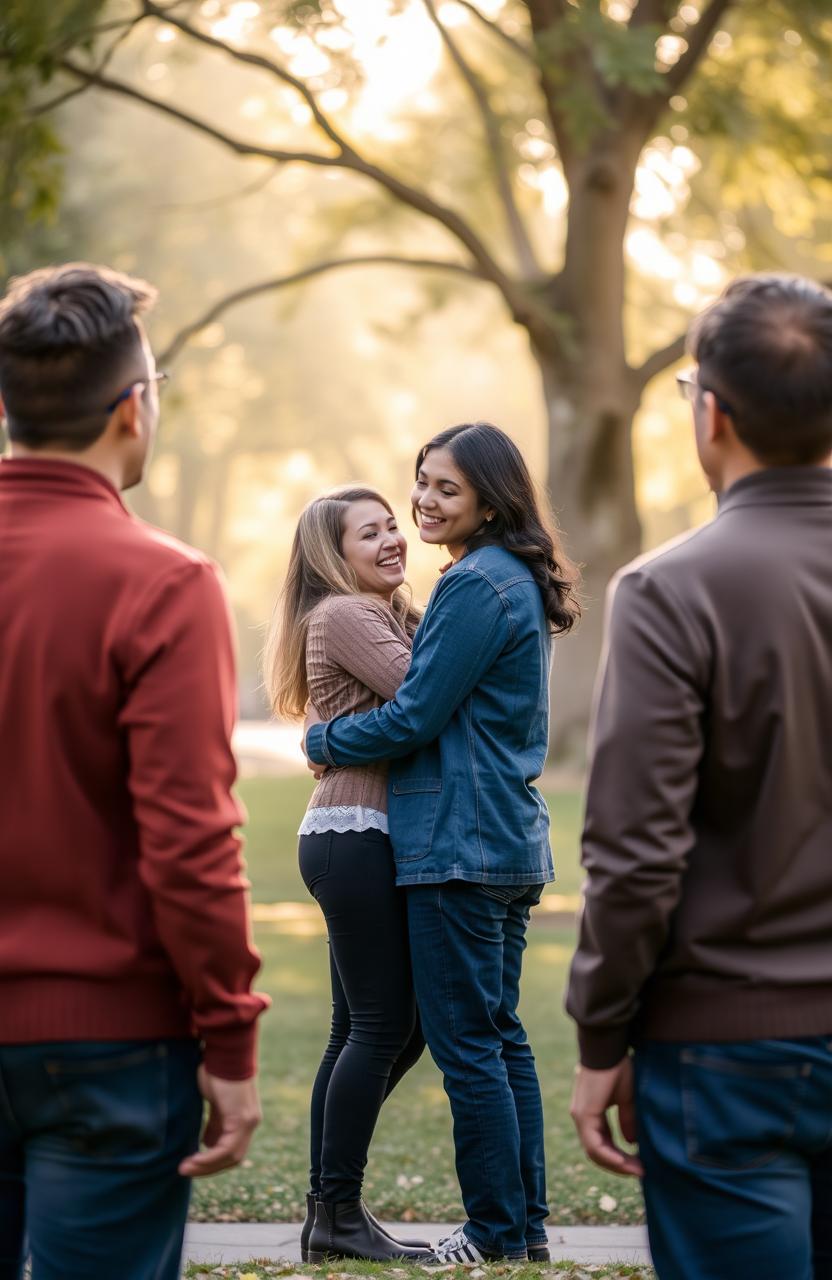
357,654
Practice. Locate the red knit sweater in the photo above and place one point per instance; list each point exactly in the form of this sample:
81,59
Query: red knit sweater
123,912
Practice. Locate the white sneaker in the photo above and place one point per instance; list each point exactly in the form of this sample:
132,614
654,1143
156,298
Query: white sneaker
458,1247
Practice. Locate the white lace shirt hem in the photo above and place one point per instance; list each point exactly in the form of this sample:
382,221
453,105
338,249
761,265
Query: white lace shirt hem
342,817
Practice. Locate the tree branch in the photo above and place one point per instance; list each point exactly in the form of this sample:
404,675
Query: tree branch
214,312
645,112
100,29
94,78
660,360
52,105
350,158
124,30
698,39
218,202
546,16
516,297
255,60
495,144
657,12
516,46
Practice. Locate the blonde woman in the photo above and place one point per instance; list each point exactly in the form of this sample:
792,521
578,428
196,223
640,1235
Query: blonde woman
340,639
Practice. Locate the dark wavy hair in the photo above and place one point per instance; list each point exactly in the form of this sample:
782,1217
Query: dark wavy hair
494,467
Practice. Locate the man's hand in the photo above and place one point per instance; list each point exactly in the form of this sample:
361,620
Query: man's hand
594,1093
233,1115
312,717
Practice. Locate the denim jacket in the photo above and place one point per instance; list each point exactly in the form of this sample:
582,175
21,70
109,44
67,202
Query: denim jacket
466,733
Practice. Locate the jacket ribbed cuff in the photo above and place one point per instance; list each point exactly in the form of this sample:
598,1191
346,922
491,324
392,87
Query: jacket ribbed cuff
232,1055
316,745
602,1048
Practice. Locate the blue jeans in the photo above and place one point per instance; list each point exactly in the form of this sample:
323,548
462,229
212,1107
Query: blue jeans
736,1142
466,945
90,1138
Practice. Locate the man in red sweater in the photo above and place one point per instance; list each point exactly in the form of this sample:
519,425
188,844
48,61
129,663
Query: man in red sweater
125,953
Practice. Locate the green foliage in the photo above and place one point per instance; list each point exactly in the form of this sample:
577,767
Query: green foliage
33,34
619,57
302,13
760,108
622,55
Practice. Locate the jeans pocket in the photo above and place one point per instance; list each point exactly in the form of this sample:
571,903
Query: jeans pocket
740,1104
113,1099
504,893
313,858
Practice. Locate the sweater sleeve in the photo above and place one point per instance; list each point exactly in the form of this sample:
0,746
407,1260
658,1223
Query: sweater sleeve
357,638
637,834
178,716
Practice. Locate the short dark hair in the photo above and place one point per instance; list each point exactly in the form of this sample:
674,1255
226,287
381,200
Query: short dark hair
496,469
765,347
68,344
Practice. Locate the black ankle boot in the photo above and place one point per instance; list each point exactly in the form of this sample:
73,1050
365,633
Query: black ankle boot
408,1244
306,1229
342,1229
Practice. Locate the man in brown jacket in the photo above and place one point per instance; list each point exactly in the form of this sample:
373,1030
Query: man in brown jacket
706,934
126,961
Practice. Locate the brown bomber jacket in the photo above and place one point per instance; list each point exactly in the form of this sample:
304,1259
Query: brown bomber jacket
708,833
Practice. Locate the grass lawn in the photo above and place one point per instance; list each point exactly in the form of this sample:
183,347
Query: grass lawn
410,1174
276,806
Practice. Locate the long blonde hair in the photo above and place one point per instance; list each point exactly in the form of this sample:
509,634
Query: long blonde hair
317,569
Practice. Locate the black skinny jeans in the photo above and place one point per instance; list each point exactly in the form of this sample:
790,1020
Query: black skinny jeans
375,1036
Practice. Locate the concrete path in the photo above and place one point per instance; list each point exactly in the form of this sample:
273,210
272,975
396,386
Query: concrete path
222,1242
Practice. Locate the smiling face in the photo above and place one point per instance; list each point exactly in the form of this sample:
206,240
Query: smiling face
448,507
374,548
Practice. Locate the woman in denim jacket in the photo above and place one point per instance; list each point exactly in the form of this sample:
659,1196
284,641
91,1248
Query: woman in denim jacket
466,735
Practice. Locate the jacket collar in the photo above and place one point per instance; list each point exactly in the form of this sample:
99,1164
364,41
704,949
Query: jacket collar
780,486
63,479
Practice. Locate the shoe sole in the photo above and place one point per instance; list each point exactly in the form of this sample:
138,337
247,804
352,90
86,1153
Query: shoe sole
315,1258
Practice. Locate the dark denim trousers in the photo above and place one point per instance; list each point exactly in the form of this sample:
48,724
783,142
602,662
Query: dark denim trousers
467,943
375,1036
736,1141
90,1138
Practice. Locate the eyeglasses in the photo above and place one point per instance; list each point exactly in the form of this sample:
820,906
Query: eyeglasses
161,379
688,384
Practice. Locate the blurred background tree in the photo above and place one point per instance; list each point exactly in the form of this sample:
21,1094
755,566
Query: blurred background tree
432,210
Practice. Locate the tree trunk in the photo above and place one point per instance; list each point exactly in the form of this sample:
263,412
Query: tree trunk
590,398
592,490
